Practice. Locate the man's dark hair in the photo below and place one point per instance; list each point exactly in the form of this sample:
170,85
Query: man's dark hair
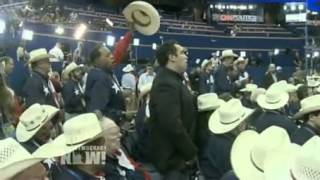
95,54
164,51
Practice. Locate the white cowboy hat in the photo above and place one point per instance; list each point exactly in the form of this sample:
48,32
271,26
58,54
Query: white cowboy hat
39,54
284,86
228,116
208,102
32,119
255,93
14,158
308,105
249,88
273,99
71,67
298,162
77,131
228,53
205,62
128,68
145,17
250,150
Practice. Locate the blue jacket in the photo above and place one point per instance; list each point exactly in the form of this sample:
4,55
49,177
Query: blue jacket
37,90
270,118
206,83
73,97
303,134
223,83
215,160
103,92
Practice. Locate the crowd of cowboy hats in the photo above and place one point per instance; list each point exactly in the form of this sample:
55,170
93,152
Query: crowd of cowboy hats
269,155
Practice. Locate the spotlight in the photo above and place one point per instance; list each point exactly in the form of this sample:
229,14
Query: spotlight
80,31
301,7
109,22
293,7
218,53
2,26
316,54
59,30
136,42
27,35
154,46
285,7
243,53
21,24
121,37
110,40
211,6
276,52
250,6
308,55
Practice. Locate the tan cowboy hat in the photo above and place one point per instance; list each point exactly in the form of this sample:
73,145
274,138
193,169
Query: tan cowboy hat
208,102
32,119
228,53
240,60
71,67
77,131
228,116
128,68
300,162
14,158
250,151
145,17
308,105
39,54
273,99
249,88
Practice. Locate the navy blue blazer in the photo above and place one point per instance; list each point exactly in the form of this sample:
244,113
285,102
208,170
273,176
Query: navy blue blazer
303,134
73,97
223,83
215,161
270,118
206,83
103,92
36,90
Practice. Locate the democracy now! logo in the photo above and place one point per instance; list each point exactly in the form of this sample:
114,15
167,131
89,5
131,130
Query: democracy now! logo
86,155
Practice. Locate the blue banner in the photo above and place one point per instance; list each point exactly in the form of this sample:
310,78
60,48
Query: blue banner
313,5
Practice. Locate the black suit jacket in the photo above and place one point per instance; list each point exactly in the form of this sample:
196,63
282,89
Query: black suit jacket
173,121
268,80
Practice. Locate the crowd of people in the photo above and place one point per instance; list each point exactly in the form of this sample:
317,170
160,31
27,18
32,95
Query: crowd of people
158,123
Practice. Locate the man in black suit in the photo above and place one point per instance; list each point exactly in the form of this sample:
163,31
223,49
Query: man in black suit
173,115
270,76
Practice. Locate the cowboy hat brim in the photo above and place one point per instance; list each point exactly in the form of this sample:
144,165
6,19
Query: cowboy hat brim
145,9
24,135
127,69
211,107
18,166
241,160
303,112
67,71
217,127
280,162
41,57
261,100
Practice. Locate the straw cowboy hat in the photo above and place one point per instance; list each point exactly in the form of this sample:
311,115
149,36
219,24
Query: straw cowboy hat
145,17
208,102
205,62
285,86
14,158
250,151
32,119
39,54
228,53
77,131
273,99
249,88
228,116
255,93
300,162
128,68
71,67
308,105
